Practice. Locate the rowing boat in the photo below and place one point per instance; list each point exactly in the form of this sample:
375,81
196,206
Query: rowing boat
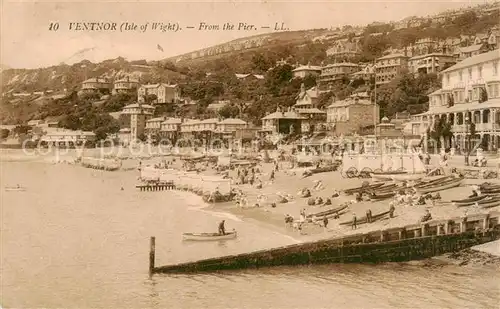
363,188
396,176
382,196
328,212
364,219
468,201
492,203
440,186
208,236
434,181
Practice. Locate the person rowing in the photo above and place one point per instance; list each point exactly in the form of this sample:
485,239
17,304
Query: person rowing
222,229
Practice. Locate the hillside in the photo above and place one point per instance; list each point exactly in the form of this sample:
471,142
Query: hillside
208,75
63,76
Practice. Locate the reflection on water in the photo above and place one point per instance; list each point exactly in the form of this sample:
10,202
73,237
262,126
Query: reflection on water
75,239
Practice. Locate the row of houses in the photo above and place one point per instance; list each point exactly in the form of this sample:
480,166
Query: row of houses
159,93
385,68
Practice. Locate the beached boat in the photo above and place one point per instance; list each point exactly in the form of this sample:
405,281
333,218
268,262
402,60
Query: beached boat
383,196
15,189
396,176
428,182
468,201
209,236
363,220
451,183
407,177
328,212
363,188
493,202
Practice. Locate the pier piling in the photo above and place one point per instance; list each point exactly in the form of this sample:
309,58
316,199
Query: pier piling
152,250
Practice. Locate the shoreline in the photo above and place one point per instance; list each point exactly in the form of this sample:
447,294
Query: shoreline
288,182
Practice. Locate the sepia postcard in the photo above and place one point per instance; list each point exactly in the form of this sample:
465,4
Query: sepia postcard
250,154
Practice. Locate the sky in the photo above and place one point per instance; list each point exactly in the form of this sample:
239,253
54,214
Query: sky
27,41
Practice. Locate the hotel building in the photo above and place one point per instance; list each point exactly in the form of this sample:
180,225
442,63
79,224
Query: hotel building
470,94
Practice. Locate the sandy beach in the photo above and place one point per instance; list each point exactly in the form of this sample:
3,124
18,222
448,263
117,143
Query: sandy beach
288,182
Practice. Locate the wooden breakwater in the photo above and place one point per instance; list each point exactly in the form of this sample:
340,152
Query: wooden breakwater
392,245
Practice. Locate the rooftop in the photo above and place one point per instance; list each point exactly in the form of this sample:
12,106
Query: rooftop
392,56
307,68
135,105
96,80
232,121
283,115
172,121
341,64
471,61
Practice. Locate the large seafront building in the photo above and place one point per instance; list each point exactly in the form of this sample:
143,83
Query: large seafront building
470,94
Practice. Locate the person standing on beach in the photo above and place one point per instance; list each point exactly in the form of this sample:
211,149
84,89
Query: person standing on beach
272,175
325,221
354,221
369,216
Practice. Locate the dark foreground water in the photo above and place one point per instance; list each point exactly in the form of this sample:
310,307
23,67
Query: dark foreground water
74,239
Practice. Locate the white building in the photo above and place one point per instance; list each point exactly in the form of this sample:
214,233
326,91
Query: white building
470,94
305,70
67,137
164,93
139,115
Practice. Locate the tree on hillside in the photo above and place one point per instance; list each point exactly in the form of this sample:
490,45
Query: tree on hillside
325,99
466,20
150,98
70,122
277,78
229,111
260,63
373,47
116,102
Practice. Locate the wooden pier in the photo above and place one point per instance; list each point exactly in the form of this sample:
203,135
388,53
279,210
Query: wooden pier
156,186
407,243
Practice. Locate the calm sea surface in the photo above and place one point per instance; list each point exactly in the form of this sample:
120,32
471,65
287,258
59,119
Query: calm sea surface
74,239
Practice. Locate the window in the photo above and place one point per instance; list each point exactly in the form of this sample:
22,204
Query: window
461,75
480,71
495,68
493,90
447,79
470,73
469,96
475,94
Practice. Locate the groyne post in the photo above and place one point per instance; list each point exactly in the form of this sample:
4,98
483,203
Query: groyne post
152,254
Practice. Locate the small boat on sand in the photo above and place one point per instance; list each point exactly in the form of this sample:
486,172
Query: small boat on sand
493,202
396,176
363,188
209,236
469,201
451,183
382,196
363,220
15,189
328,212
